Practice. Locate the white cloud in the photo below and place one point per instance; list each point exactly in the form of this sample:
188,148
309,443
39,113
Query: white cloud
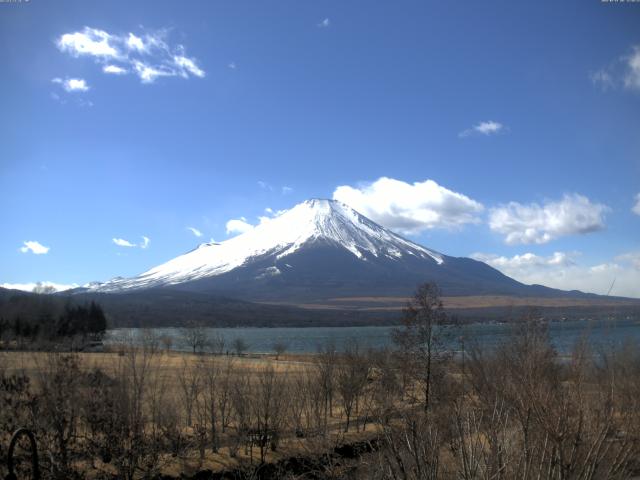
39,287
622,72
114,70
238,225
34,247
264,185
90,41
195,231
636,207
562,270
121,242
187,65
72,84
632,75
273,213
410,208
76,84
149,55
483,128
534,223
241,225
526,260
633,258
148,74
232,65
267,186
603,78
135,43
324,23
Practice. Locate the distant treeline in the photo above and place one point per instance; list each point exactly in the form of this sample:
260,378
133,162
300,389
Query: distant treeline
34,317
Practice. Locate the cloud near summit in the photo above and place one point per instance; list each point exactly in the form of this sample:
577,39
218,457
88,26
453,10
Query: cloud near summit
148,55
410,208
537,224
566,271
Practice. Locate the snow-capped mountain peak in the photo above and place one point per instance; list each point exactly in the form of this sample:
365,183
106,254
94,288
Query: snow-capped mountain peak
315,221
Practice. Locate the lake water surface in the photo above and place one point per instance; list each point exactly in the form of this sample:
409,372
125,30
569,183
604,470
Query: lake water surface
600,333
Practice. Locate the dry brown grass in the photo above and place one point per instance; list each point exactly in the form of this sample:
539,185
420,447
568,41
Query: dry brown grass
166,368
474,301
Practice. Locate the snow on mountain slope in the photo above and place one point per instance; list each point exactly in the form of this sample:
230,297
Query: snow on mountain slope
312,221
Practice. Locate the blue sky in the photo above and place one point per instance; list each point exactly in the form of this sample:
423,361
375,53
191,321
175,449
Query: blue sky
507,131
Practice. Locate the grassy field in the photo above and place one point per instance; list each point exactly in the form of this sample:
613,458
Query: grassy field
476,301
516,410
176,377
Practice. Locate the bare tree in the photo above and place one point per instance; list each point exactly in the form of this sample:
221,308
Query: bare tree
352,375
241,398
279,348
419,340
240,346
326,361
208,404
167,342
217,343
194,335
59,379
190,384
126,427
269,406
223,392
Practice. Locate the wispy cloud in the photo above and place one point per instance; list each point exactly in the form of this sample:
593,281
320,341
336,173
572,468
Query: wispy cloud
232,65
136,43
121,242
267,186
34,247
114,70
72,84
195,231
242,225
91,41
632,75
40,287
148,55
187,65
602,78
483,128
238,225
537,224
264,185
272,213
623,72
410,207
325,23
636,208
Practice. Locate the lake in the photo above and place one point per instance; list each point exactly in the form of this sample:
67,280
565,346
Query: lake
601,333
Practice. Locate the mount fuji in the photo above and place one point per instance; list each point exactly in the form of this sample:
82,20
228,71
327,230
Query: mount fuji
317,251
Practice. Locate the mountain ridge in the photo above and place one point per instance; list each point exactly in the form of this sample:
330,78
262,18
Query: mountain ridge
322,249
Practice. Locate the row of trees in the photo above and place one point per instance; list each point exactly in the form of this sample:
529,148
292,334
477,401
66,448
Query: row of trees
202,339
85,321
